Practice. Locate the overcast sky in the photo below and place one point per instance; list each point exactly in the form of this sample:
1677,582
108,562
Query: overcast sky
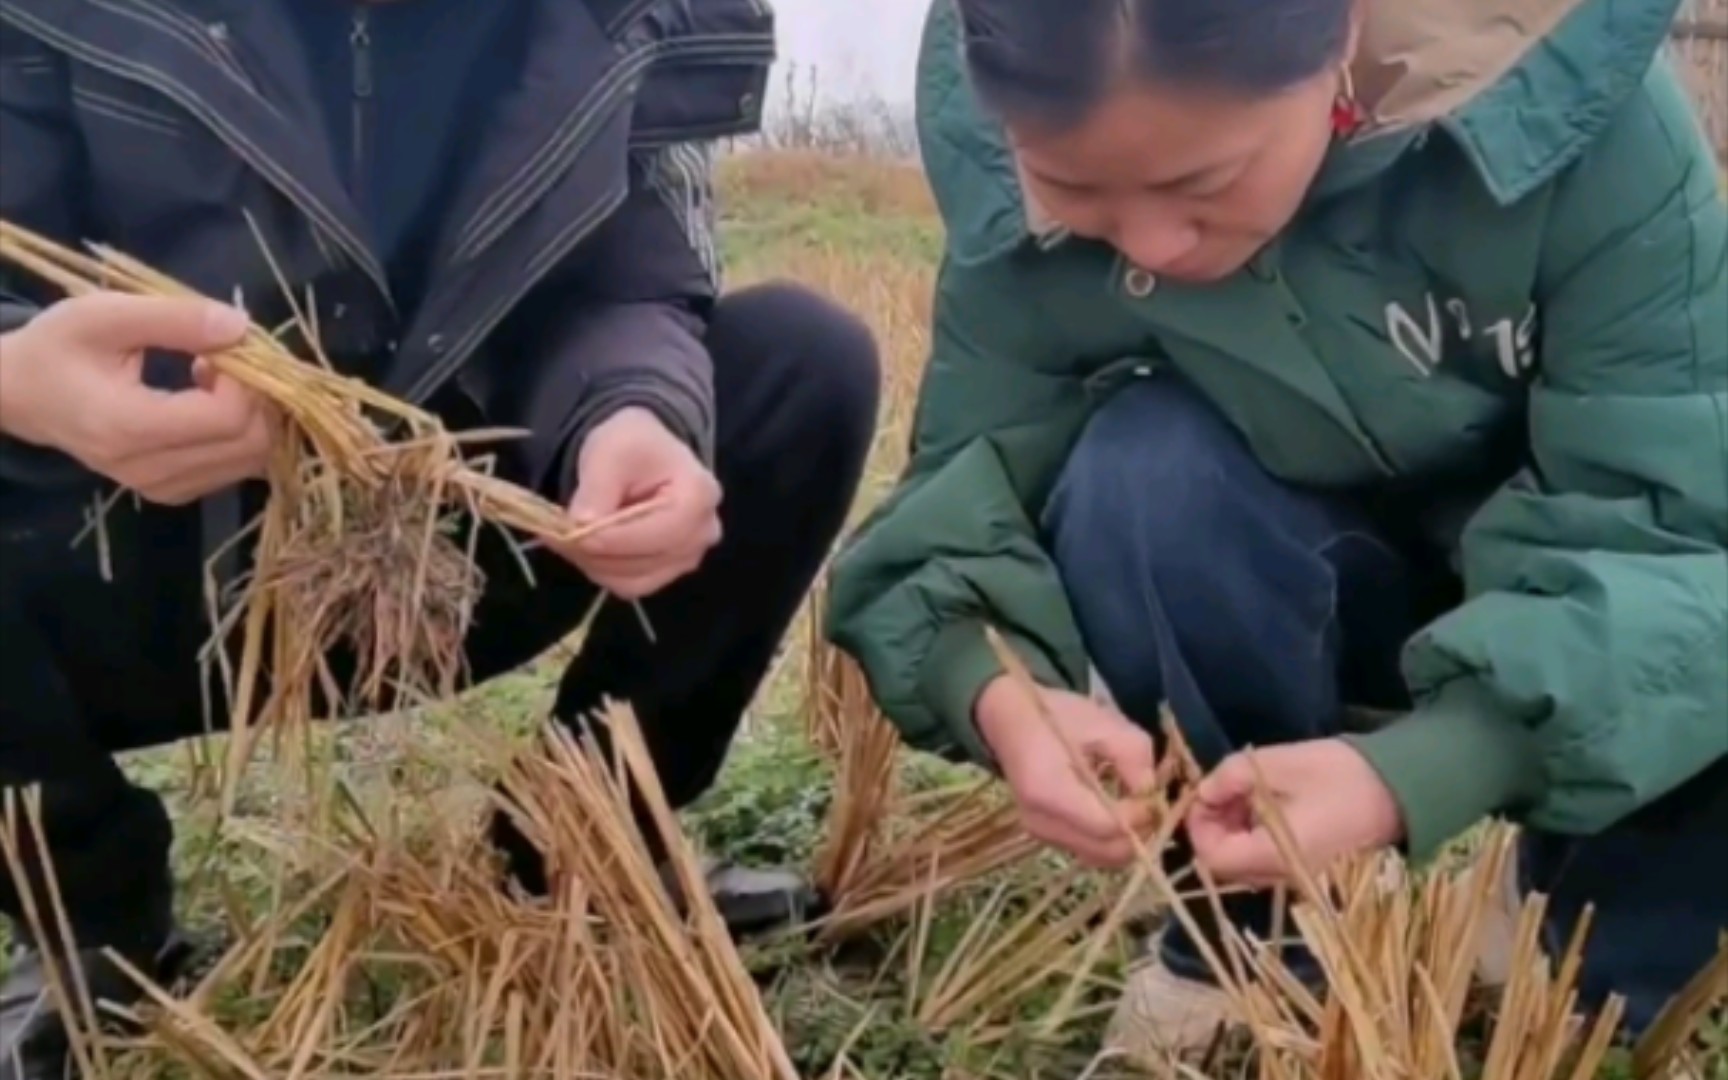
858,47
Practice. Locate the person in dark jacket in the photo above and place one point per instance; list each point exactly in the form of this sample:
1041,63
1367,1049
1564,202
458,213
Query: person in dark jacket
500,211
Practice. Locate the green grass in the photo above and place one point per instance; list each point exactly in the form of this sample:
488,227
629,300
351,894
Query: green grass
877,214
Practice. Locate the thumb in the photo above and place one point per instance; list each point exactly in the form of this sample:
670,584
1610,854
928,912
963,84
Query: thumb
1130,752
1235,856
204,374
127,324
1231,782
601,487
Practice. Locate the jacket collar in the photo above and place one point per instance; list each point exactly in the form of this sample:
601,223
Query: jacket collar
267,111
184,50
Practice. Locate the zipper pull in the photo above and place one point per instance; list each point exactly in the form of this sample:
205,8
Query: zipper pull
360,43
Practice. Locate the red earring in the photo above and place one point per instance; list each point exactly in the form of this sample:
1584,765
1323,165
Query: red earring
1348,115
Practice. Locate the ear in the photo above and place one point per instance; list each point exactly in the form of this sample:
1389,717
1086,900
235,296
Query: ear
1038,220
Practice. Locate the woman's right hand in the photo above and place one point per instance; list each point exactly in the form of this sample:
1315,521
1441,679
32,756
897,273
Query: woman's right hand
71,380
1059,804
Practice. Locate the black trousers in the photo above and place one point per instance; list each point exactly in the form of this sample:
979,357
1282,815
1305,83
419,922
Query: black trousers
90,668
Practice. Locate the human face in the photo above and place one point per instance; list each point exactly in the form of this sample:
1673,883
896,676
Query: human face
1185,184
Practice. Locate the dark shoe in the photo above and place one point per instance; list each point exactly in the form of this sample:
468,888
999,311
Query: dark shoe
34,1044
750,902
753,902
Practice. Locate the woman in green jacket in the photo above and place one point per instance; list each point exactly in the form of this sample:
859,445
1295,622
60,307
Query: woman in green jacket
1292,356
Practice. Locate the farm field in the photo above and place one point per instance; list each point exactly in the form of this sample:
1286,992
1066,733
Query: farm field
970,985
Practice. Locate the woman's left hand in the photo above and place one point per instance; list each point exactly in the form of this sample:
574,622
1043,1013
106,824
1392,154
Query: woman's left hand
1331,800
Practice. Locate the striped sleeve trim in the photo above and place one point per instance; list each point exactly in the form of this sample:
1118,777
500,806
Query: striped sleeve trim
682,175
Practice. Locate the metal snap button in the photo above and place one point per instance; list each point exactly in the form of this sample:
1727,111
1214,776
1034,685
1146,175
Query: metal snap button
435,343
1139,283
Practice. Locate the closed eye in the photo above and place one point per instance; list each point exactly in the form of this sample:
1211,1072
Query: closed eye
1204,185
1063,187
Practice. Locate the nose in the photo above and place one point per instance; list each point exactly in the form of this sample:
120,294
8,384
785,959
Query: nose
1156,240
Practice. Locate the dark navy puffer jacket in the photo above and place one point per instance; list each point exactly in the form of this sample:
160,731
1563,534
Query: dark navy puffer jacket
568,271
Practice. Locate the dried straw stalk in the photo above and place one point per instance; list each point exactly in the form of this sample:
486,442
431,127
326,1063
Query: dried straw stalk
1666,1049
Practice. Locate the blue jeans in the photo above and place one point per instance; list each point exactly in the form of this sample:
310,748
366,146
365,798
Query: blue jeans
1258,610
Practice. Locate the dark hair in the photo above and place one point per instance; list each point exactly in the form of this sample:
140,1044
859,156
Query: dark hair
1051,61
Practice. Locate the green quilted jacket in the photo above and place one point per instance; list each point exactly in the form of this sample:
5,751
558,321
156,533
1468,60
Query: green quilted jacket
1517,271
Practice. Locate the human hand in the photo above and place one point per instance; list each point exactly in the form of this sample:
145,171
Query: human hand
72,379
1332,801
1058,803
627,460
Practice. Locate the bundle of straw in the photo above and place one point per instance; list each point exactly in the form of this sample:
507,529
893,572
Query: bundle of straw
845,727
403,955
865,791
361,543
885,851
579,813
1024,939
933,844
1397,962
837,698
